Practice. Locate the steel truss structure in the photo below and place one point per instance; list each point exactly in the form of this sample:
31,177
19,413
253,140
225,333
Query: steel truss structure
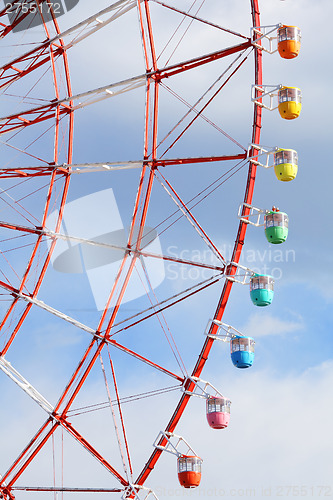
56,168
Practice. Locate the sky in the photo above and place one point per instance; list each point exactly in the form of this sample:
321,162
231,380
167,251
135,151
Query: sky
279,440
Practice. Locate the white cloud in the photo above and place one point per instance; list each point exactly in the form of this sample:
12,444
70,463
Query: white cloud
263,324
279,435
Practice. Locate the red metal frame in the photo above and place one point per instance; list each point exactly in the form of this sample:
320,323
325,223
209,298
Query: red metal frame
33,60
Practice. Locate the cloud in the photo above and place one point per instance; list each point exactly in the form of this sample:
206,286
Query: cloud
264,324
279,435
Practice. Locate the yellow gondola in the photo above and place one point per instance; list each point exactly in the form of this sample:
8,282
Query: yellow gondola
290,102
285,164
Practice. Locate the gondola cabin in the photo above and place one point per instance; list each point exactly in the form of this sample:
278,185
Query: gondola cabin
289,41
290,102
261,289
242,351
218,412
285,164
189,471
276,226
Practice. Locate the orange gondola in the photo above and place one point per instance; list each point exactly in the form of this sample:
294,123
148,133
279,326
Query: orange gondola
189,471
289,41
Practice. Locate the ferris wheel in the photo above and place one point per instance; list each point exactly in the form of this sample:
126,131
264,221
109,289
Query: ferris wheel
115,192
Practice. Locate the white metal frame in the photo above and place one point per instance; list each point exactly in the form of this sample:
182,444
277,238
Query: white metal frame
254,212
28,388
203,389
264,32
269,91
242,275
229,331
262,151
173,448
135,489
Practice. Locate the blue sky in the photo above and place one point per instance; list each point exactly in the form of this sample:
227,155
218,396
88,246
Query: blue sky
279,439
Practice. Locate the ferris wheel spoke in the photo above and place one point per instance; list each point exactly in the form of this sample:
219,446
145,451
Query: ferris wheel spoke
87,329
189,216
151,295
45,307
147,361
125,400
18,227
204,21
24,151
38,56
39,441
88,447
169,302
13,374
63,489
33,116
198,198
83,168
86,364
127,461
188,262
67,105
198,113
80,374
100,244
88,168
193,109
175,69
165,162
28,454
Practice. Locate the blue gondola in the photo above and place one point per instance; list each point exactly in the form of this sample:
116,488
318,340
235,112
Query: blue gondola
242,351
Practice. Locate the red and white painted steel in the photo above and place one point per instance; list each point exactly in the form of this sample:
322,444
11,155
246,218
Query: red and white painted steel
52,53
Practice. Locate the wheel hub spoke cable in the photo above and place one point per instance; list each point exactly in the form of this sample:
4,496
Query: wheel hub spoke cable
161,319
201,20
114,419
198,114
176,30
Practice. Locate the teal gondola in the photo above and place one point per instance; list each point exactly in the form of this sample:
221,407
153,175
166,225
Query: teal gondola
261,289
